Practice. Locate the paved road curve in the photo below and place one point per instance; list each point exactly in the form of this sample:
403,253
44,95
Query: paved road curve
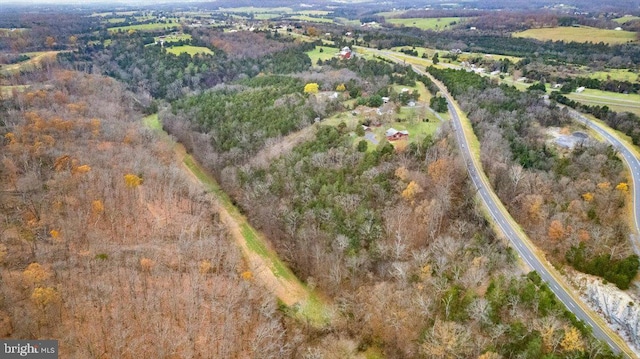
629,155
520,242
523,246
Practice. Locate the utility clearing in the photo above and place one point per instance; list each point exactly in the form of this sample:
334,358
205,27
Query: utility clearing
264,264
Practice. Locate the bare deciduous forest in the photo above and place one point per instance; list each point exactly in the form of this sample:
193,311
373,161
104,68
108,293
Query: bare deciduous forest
110,245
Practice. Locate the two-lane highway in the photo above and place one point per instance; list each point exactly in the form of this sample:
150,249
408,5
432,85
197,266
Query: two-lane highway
630,157
519,240
522,244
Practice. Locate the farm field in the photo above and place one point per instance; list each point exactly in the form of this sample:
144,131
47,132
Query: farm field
626,19
174,38
615,74
428,24
191,50
311,19
266,16
390,14
145,27
615,101
253,9
578,34
35,60
346,22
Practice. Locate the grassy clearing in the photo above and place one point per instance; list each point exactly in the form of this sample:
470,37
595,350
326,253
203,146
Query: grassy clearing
615,74
252,238
615,101
346,22
327,53
145,27
116,20
7,91
152,122
390,14
253,9
429,23
174,38
35,61
311,19
191,50
314,12
266,16
626,19
520,85
579,34
312,310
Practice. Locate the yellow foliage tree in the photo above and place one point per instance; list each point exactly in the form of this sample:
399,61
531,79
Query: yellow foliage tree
81,169
312,88
622,186
588,196
410,192
97,207
204,267
35,273
132,181
55,234
604,185
44,296
3,252
247,275
572,340
95,127
341,88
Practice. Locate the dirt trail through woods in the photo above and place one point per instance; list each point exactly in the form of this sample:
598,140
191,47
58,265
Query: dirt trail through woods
288,291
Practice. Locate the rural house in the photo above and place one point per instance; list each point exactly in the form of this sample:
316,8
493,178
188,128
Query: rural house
393,135
345,53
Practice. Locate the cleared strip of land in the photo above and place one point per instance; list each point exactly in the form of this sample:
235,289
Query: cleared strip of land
264,262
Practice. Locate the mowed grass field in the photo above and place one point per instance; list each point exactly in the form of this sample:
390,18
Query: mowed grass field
326,54
311,18
174,38
615,101
191,50
440,23
145,27
626,19
253,9
578,34
615,74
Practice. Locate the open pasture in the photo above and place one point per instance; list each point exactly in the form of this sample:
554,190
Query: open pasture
578,34
145,27
440,23
191,50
